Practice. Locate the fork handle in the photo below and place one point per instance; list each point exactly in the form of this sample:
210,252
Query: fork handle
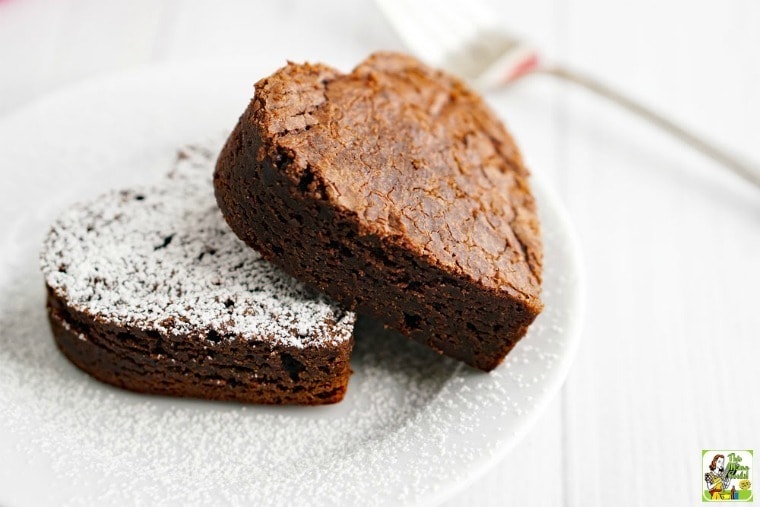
745,169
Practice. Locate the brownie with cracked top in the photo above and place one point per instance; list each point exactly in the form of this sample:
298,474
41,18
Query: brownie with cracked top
149,290
395,190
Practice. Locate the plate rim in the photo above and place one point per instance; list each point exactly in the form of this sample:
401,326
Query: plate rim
547,192
568,359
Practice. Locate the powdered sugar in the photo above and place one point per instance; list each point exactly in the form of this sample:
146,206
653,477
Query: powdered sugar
412,427
162,258
412,424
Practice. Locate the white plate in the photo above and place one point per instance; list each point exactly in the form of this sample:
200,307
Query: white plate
413,429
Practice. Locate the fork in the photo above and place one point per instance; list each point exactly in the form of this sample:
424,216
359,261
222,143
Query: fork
468,40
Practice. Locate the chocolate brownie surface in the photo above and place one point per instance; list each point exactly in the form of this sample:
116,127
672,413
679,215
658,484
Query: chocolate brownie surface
395,190
149,290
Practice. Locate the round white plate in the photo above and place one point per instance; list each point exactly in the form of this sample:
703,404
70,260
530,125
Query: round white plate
413,428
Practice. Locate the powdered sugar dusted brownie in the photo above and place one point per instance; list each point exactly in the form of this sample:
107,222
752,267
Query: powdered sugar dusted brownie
149,290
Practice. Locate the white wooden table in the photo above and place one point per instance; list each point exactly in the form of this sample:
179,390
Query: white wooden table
669,359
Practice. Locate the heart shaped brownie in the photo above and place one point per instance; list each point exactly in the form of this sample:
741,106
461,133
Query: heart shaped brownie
149,290
395,190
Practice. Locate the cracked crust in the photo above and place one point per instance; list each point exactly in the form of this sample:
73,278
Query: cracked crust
395,190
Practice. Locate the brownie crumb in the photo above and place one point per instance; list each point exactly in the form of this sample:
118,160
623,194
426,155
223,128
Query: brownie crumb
148,289
395,190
